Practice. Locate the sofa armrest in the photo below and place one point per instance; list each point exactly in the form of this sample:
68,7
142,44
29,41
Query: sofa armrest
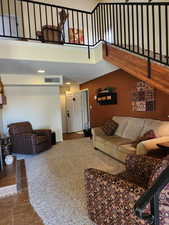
97,131
144,146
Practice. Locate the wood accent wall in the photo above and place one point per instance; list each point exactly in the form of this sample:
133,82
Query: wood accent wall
124,84
138,67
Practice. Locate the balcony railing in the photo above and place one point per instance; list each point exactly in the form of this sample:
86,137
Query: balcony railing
141,28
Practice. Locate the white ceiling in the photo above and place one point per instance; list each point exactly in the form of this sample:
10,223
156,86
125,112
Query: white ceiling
75,72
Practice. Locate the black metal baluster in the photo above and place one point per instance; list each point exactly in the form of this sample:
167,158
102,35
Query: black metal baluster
98,30
83,28
148,43
95,31
9,14
2,14
100,36
34,11
114,27
138,33
16,18
46,15
142,28
108,27
57,16
78,27
111,25
23,27
128,17
29,20
73,26
68,26
40,13
160,40
63,32
102,22
153,23
92,29
148,32
133,31
105,23
88,35
51,8
117,24
121,35
124,21
166,19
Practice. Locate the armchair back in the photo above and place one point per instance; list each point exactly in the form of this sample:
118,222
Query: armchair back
20,128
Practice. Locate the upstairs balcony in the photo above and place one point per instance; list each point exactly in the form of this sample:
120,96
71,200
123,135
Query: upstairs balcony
141,29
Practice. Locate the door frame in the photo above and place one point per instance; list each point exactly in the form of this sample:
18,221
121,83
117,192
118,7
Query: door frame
89,117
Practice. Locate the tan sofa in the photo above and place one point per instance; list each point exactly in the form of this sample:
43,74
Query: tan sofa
118,146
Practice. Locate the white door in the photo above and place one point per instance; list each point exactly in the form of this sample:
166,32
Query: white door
74,112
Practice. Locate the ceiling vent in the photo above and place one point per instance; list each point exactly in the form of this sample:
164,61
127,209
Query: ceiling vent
54,80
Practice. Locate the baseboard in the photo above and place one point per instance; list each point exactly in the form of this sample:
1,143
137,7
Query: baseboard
109,156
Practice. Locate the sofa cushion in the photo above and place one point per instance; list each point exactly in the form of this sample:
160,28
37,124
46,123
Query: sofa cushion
110,127
147,136
133,128
122,123
116,141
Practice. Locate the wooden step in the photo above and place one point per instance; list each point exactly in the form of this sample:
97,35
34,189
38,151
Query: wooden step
138,67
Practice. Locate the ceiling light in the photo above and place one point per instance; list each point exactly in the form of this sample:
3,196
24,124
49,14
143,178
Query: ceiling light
68,83
41,71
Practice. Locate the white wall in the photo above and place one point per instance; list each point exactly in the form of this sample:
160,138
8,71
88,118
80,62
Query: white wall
39,105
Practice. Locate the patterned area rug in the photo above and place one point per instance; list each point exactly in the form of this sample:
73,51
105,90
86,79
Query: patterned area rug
56,181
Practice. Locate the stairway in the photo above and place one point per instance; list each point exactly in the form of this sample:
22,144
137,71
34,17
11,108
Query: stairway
138,67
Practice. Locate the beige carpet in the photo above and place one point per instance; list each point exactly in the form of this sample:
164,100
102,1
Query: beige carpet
56,181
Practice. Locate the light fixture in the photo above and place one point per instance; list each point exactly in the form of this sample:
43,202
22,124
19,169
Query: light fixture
68,83
41,71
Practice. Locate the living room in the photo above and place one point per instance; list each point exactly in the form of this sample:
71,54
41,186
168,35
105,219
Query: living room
84,113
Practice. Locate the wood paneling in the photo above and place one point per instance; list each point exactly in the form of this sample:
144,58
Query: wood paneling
138,67
124,84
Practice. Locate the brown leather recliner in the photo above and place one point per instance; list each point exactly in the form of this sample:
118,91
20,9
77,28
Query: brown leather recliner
25,140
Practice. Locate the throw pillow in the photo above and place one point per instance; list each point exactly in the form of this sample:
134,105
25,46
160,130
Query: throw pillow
146,136
110,127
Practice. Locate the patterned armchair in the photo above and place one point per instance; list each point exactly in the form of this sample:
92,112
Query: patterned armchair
111,198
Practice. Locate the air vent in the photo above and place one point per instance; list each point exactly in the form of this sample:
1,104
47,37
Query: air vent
52,80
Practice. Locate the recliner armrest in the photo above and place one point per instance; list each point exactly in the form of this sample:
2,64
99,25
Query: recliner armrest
46,132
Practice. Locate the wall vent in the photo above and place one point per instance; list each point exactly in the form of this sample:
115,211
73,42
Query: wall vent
52,80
